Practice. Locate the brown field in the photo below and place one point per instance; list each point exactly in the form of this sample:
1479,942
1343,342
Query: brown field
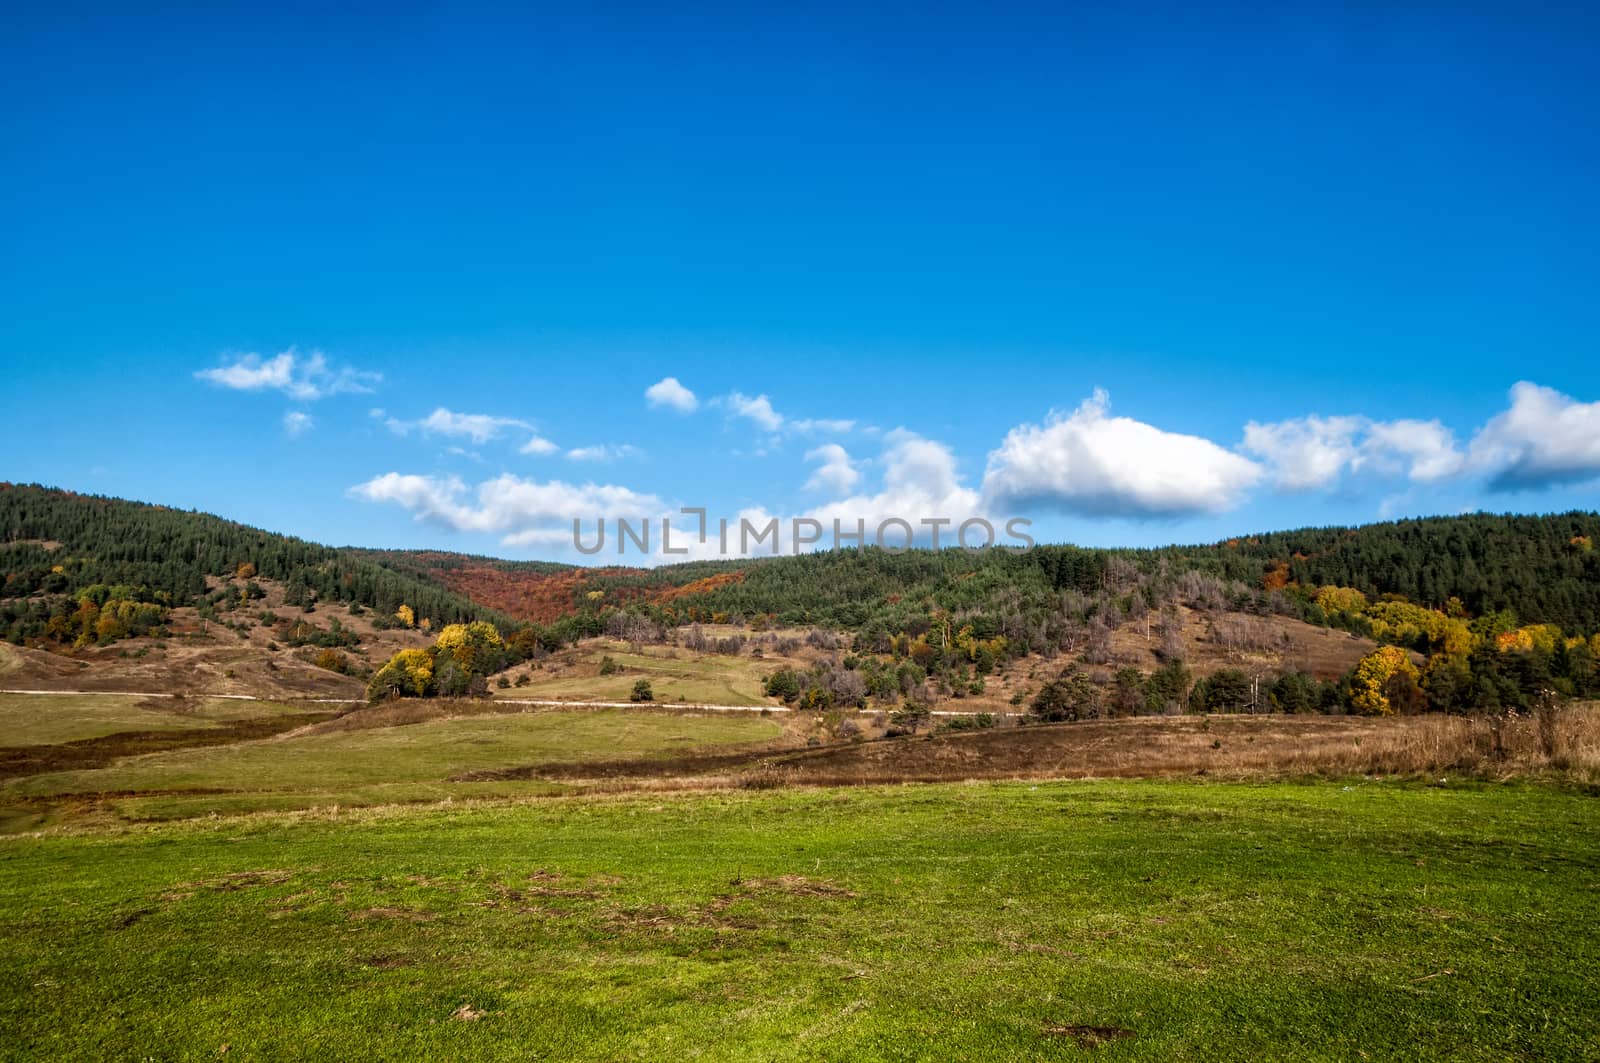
1266,644
1562,742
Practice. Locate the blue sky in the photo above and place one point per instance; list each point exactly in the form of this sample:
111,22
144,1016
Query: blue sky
1150,274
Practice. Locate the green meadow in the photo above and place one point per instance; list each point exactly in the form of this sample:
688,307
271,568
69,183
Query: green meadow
998,921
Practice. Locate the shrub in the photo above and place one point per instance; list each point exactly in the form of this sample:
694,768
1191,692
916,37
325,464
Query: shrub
333,661
910,716
1070,696
642,691
783,683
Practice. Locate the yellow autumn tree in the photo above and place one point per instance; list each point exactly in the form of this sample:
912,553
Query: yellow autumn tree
408,673
1404,623
418,665
1368,686
1542,637
474,646
1341,600
405,615
1545,637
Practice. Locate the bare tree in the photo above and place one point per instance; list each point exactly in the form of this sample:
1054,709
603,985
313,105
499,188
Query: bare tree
1097,644
1172,647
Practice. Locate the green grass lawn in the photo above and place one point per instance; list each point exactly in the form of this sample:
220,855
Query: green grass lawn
1166,920
376,766
51,719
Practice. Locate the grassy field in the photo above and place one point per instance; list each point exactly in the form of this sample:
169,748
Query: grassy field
708,679
50,719
1156,920
327,766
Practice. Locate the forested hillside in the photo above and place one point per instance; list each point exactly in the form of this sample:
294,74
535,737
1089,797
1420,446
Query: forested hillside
57,545
1501,608
1543,569
539,591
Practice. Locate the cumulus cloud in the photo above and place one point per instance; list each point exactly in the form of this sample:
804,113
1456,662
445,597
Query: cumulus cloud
1307,451
538,445
1091,463
921,481
669,393
296,424
836,474
1544,438
522,512
1313,452
1425,450
305,379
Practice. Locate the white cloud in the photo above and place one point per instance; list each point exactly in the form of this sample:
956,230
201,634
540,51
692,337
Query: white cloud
821,426
478,427
1313,452
522,512
538,445
251,373
1307,451
602,452
296,424
758,410
921,482
1425,449
1544,438
668,392
305,379
836,474
1089,462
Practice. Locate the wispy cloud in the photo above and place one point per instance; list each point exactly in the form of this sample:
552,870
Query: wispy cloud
303,378
479,428
297,424
759,411
602,452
